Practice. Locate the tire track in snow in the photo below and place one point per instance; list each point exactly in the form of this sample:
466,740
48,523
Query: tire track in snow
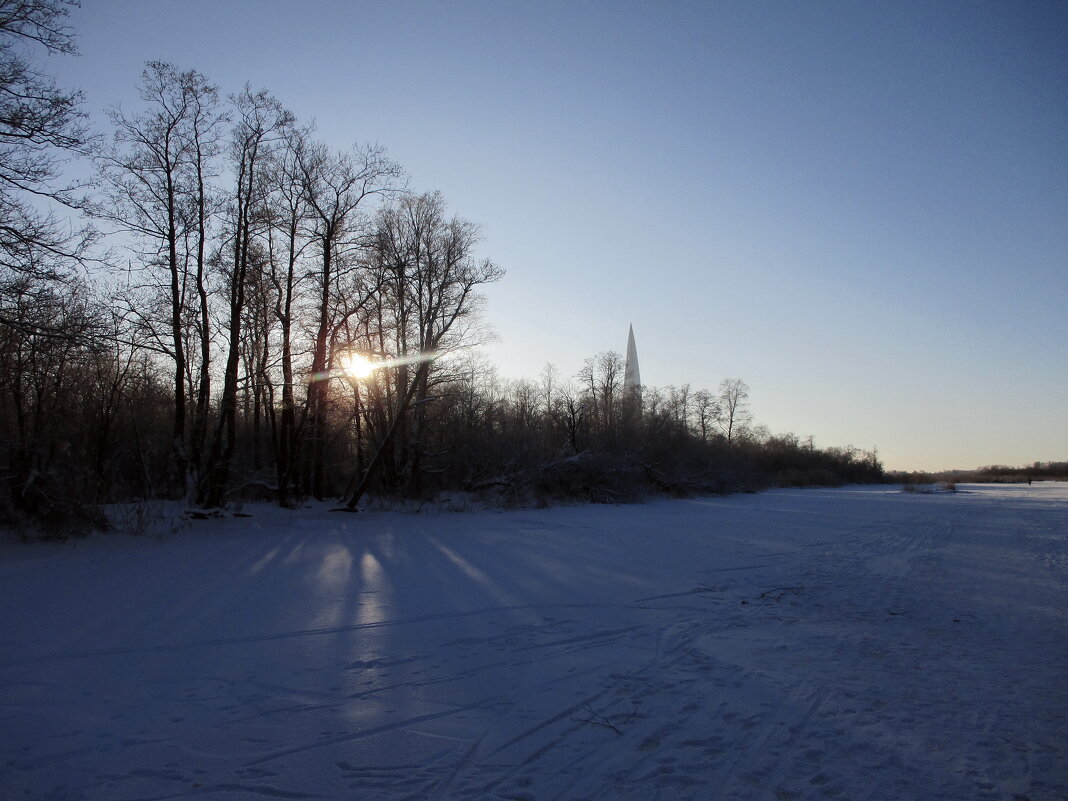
465,761
596,640
363,734
286,635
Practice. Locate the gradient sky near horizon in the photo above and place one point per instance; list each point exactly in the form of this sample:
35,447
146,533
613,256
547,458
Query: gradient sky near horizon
861,209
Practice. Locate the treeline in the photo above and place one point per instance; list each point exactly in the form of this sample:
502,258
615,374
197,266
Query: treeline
588,438
276,318
992,474
1038,471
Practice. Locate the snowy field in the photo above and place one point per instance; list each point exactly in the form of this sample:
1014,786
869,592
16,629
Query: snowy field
857,643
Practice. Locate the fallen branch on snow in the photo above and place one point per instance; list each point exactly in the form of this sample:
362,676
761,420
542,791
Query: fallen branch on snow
595,718
777,593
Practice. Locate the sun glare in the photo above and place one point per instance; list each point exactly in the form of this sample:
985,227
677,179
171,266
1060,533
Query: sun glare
357,366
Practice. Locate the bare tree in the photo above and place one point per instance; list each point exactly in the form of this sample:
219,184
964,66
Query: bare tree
259,127
679,406
733,402
432,277
336,186
40,125
704,410
602,380
205,133
286,240
156,187
575,415
549,386
550,402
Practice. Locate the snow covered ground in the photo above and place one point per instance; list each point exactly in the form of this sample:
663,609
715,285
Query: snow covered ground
857,643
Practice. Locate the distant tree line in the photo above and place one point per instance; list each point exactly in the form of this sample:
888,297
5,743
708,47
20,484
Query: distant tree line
991,474
274,318
587,437
1039,471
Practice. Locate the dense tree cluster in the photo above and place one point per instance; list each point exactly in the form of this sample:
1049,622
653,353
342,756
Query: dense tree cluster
278,318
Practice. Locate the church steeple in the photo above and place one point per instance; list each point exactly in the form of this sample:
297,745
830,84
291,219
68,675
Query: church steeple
632,380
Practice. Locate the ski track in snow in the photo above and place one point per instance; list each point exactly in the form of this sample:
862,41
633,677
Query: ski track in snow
859,643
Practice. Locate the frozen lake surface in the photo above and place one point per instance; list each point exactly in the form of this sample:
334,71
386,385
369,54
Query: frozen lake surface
858,643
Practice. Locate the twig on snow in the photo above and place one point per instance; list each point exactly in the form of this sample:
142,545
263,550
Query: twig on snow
595,718
776,593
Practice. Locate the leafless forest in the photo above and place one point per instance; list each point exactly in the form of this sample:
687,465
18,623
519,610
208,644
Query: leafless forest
227,307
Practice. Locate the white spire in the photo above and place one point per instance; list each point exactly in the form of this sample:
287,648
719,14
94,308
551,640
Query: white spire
632,379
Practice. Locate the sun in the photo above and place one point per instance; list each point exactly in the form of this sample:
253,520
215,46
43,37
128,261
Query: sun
357,366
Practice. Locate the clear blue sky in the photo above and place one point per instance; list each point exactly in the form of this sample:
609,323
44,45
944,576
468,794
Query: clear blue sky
861,209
